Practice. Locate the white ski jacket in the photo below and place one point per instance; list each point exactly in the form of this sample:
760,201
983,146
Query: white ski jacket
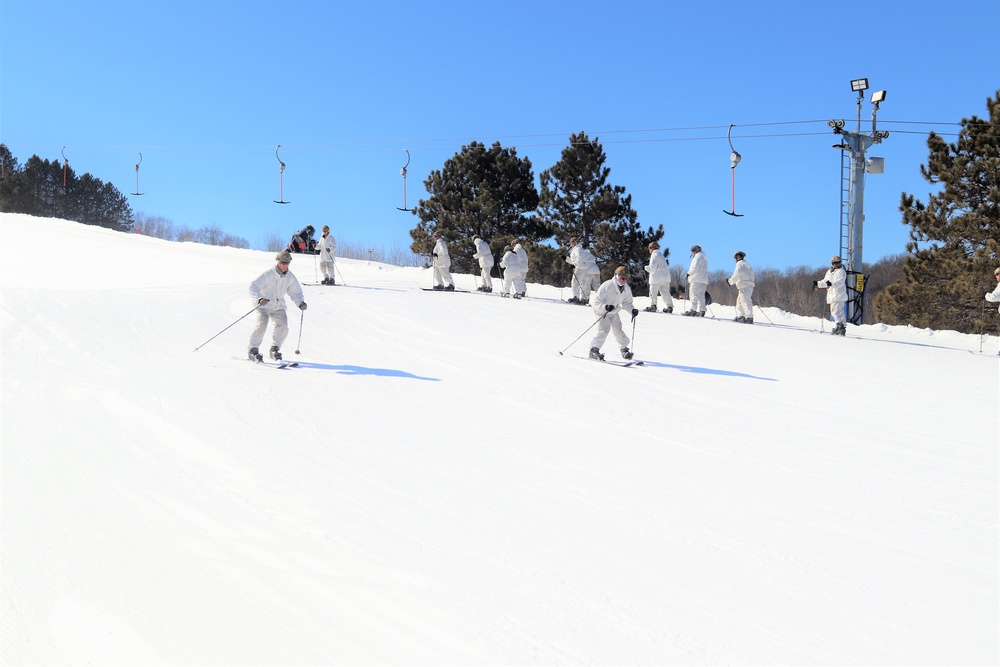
327,247
483,254
610,293
742,275
698,271
442,258
658,269
273,285
836,291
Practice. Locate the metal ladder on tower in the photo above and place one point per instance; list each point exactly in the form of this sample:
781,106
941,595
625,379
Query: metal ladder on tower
845,206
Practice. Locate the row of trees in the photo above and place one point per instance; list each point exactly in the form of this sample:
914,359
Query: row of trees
491,192
50,189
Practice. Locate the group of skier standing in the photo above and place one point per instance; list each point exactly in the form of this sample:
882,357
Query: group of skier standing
608,299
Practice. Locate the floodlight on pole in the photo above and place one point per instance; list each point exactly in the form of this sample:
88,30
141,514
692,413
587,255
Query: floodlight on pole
858,85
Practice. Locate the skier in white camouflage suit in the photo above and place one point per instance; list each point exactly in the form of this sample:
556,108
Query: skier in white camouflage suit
659,279
743,279
584,267
442,262
612,296
485,257
327,247
697,277
269,290
835,284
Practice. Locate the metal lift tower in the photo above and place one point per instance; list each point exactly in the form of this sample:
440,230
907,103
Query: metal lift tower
853,167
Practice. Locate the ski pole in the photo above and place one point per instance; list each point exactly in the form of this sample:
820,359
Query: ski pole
633,335
301,322
337,269
316,266
584,332
763,313
220,333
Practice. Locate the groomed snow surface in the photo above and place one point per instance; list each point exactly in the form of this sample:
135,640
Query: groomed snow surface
437,485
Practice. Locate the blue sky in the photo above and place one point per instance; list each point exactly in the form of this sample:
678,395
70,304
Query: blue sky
207,89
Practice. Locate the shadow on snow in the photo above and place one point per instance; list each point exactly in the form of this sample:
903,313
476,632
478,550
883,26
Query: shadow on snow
706,371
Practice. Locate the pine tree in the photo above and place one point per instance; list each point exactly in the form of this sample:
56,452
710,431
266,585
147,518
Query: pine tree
489,192
576,200
955,236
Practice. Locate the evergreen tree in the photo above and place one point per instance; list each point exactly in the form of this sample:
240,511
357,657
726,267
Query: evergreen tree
50,189
490,192
955,236
576,200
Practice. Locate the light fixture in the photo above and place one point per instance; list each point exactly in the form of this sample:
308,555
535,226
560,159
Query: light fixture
857,85
878,96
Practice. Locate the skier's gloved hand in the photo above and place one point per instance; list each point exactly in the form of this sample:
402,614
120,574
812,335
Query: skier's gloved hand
815,284
829,284
262,301
302,306
434,254
635,313
609,307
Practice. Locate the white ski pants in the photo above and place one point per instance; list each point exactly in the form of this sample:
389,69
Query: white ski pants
744,303
661,289
697,296
608,323
278,334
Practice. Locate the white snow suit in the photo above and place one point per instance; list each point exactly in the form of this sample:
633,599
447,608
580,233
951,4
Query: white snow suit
619,296
327,247
485,257
659,279
510,264
273,285
584,269
697,278
835,284
442,260
522,257
743,279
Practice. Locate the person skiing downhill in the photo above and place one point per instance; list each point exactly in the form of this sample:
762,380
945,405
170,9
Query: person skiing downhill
442,262
743,279
485,257
269,290
835,284
612,296
327,247
520,286
509,263
659,279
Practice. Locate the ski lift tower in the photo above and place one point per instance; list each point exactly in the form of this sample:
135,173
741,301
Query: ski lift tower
853,167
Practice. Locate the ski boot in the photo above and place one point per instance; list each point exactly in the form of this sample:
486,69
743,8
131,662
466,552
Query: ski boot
254,355
449,288
747,320
275,353
595,353
701,314
668,309
740,319
650,309
626,353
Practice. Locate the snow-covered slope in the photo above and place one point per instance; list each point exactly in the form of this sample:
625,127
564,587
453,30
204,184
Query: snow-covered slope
437,485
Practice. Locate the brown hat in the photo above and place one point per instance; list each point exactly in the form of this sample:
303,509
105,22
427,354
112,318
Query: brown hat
284,257
835,259
326,228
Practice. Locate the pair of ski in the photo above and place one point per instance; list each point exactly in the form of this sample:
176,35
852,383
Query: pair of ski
625,363
277,364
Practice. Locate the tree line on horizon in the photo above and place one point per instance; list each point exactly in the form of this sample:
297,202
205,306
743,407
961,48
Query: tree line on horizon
938,283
